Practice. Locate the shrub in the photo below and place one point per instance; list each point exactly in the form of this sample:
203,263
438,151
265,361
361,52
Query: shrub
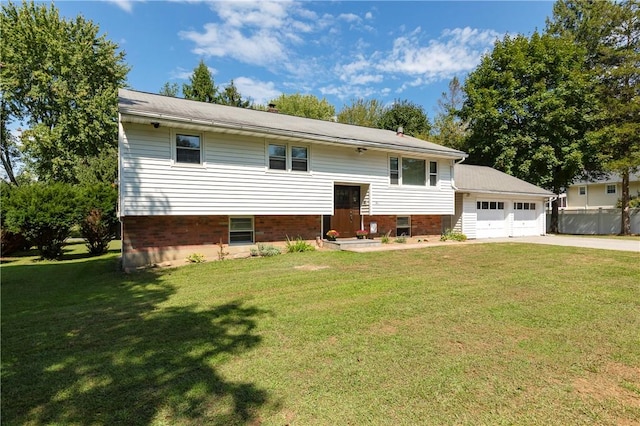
299,245
97,210
196,258
265,250
44,214
401,239
385,239
10,241
453,235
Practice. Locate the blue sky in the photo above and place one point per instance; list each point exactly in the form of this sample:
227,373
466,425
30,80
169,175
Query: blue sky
333,49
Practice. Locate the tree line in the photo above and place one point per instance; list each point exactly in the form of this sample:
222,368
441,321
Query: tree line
548,108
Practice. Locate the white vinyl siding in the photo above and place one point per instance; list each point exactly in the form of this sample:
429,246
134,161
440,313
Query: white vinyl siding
234,179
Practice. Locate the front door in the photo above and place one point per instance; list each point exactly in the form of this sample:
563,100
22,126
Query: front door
346,215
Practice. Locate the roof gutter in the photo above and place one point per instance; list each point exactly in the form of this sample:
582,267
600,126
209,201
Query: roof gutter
453,175
487,191
252,130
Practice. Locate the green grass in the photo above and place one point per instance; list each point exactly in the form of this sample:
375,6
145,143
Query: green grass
465,334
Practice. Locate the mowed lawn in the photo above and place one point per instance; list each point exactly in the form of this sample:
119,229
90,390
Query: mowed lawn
459,334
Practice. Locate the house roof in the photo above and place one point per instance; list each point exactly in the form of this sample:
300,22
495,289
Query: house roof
469,178
141,107
607,178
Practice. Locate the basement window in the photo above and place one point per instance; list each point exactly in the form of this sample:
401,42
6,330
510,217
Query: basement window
241,230
403,226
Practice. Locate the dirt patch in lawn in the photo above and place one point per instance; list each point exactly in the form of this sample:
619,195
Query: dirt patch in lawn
615,381
310,267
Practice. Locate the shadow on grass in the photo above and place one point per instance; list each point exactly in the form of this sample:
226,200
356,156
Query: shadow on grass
84,344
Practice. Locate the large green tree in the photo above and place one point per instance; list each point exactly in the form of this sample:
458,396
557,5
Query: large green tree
169,89
362,112
408,115
201,86
307,106
610,31
448,128
232,97
59,78
530,104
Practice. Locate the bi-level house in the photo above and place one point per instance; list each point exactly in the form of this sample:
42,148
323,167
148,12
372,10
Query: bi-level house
194,174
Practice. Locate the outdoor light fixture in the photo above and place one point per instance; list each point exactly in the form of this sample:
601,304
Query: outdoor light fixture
155,124
361,150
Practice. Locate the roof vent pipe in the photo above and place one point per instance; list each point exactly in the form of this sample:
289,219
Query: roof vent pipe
400,131
272,108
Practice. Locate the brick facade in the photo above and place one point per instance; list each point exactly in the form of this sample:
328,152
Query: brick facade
277,228
154,239
420,224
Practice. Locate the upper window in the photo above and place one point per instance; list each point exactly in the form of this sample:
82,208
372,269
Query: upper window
278,157
393,170
299,159
582,190
611,189
283,157
188,149
433,173
413,171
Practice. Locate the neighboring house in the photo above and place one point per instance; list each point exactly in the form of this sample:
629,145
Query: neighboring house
492,204
193,174
601,193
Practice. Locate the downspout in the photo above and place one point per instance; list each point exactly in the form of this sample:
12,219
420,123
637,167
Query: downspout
453,181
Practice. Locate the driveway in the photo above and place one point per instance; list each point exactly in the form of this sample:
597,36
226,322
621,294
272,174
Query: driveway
567,240
556,240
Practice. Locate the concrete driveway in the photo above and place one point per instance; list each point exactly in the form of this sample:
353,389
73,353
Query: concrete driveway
571,241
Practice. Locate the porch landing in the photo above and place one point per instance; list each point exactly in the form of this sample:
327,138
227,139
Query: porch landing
350,244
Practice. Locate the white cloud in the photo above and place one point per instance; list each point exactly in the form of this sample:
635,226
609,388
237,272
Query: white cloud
259,92
349,17
257,33
368,15
455,51
126,5
260,48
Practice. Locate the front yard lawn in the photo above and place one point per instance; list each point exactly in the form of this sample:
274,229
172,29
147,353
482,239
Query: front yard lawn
458,334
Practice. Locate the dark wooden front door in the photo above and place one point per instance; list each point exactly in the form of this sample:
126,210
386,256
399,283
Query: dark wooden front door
346,215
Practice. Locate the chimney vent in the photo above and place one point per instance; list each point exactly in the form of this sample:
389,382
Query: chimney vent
272,108
400,131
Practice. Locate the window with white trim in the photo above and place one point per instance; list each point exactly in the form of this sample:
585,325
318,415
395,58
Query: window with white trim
433,173
582,190
188,149
489,205
412,172
524,206
394,174
241,230
611,189
403,226
288,158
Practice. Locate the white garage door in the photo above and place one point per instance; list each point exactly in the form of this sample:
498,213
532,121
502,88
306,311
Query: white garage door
491,219
525,219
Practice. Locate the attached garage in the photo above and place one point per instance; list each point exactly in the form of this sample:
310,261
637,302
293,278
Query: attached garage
492,204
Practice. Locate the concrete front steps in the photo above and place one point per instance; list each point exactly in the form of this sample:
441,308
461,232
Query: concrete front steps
350,244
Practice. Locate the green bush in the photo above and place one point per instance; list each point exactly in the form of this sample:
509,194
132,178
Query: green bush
98,219
44,214
453,235
401,239
265,250
10,241
196,258
299,245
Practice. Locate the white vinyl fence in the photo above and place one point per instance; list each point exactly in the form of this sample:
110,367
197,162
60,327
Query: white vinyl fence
593,222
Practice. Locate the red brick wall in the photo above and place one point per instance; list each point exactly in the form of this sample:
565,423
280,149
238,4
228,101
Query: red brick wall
143,232
420,224
277,228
